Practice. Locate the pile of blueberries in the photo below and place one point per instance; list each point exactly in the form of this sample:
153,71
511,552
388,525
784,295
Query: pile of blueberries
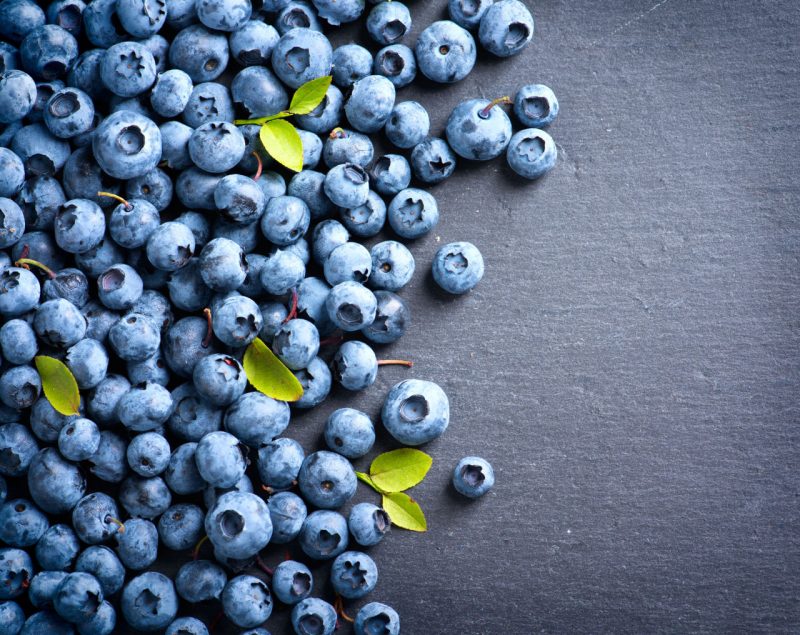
145,245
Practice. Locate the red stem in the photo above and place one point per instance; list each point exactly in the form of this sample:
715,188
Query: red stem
260,166
209,332
293,311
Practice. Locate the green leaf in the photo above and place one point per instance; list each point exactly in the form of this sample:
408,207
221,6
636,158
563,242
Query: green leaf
268,374
404,511
59,385
398,470
262,120
309,95
364,478
281,140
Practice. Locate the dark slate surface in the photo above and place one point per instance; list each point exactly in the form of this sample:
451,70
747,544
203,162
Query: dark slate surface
630,361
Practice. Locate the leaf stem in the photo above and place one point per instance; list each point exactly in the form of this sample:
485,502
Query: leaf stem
116,197
209,332
395,362
26,263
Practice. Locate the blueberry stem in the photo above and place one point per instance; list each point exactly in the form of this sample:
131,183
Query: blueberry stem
260,166
337,133
263,566
26,251
293,311
500,100
196,550
209,332
27,263
333,340
117,522
395,362
338,604
116,197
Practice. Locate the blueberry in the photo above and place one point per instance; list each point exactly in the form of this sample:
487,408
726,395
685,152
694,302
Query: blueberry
313,616
445,52
478,129
43,587
347,185
351,306
39,198
40,151
259,92
296,343
349,432
348,262
392,266
103,400
252,44
20,17
506,28
12,617
101,23
128,69
288,513
127,144
18,448
297,14
85,74
222,265
108,463
211,493
171,93
468,13
134,338
59,323
17,95
148,454
396,63
535,105
149,602
292,582
156,306
388,22
351,62
183,345
144,407
12,223
473,477
220,379
285,220
48,51
457,267
239,199
175,144
22,524
16,570
326,115
57,548
224,15
281,272
353,574
137,546
246,601
312,148
432,160
83,179
279,462
181,527
18,342
368,524
102,622
327,480
200,53
236,320
44,91
370,103
338,12
103,564
181,13
20,386
416,411
532,153
170,246
182,475
246,236
251,287
199,225
272,184
200,581
195,188
77,597
46,622
390,174
273,314
216,146
79,225
345,146
221,459
55,484
355,366
238,525
324,535
19,291
187,291
119,287
300,56
79,439
377,618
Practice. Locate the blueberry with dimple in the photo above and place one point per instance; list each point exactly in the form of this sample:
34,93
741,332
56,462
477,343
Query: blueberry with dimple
532,153
55,484
70,284
220,379
375,618
413,213
432,160
288,513
148,454
183,345
473,477
222,265
368,524
388,22
347,146
77,597
285,220
236,320
108,463
144,407
79,439
349,432
445,52
252,44
57,548
279,462
59,323
274,314
390,174
216,146
349,261
313,616
239,199
506,28
324,535
457,267
353,574
259,92
127,144
327,115
119,287
19,291
351,306
296,343
79,225
221,459
338,12
300,56
149,602
297,14
18,342
370,103
41,152
368,219
43,587
327,480
416,411
347,185
39,198
134,338
20,387
351,62
281,272
145,497
48,51
69,113
392,266
468,13
535,105
224,15
141,18
292,582
132,224
200,53
238,525
200,581
396,63
478,129
355,366
102,622
246,601
181,526
182,475
128,69
104,564
18,448
16,570
137,546
22,524
155,187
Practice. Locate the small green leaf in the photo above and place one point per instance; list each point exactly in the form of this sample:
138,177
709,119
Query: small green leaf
364,478
59,385
281,140
262,120
404,511
268,374
309,95
398,470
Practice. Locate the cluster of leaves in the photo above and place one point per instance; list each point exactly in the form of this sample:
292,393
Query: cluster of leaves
390,474
279,137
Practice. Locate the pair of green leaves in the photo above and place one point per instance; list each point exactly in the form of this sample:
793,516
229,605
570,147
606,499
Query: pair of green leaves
390,474
280,138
